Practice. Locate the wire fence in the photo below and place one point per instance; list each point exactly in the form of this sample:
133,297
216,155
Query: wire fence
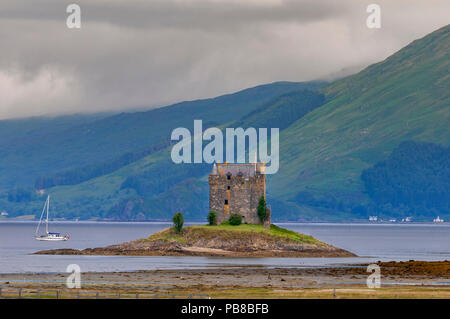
19,293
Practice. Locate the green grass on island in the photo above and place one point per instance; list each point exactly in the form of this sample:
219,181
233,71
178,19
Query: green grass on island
226,231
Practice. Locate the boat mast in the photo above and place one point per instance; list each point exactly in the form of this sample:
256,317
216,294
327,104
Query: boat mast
40,219
48,205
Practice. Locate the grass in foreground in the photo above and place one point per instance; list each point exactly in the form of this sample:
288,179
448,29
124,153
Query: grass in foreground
228,231
330,293
244,292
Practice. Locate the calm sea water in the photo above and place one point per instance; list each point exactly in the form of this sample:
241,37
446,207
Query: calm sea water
370,242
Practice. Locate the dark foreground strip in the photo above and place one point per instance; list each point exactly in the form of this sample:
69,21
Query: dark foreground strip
236,308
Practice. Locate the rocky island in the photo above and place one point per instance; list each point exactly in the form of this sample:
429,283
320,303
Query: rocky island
246,240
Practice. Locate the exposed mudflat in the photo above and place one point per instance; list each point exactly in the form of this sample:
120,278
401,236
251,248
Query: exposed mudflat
411,279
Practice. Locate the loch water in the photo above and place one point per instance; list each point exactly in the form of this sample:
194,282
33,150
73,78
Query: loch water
371,242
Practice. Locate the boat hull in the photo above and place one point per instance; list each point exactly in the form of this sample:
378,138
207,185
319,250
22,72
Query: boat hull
52,238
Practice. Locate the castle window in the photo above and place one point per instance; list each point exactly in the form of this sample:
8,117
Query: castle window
228,187
228,176
226,201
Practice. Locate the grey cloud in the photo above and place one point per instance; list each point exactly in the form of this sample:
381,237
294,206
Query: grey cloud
186,14
131,54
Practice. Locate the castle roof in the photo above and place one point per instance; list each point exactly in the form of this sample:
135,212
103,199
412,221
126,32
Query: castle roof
245,170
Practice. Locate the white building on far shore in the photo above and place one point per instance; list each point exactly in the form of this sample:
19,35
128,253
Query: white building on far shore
438,220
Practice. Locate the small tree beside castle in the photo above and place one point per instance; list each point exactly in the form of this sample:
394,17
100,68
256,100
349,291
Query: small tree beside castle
178,222
262,209
212,218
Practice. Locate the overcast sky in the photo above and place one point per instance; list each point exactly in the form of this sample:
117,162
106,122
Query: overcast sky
130,54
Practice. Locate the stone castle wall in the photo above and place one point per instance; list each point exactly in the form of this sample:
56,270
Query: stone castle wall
241,193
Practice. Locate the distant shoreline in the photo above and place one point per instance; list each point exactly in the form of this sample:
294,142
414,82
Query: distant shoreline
188,222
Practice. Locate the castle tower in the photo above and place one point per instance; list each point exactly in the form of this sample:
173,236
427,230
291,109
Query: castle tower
236,189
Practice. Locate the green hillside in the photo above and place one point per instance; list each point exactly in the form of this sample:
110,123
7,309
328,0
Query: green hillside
405,97
420,187
145,184
33,148
118,167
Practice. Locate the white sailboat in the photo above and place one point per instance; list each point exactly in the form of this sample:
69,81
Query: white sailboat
48,236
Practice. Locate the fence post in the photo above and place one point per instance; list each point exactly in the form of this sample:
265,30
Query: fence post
0,292
39,293
137,296
96,295
57,294
20,293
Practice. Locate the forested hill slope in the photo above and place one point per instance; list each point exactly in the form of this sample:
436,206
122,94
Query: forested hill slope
145,183
405,97
414,179
56,145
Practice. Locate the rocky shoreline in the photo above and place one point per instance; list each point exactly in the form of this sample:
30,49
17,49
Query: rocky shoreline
195,251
